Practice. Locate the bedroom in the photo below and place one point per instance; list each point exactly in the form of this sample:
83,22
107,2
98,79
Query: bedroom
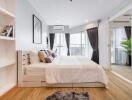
83,61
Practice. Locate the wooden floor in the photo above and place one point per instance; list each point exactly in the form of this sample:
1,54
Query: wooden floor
123,70
118,90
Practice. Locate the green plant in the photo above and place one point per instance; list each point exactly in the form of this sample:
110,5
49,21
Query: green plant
127,45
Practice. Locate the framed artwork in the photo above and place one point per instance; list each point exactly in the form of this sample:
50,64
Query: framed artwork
37,30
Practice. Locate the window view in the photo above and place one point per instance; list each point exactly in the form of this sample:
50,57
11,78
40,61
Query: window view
79,45
60,44
118,54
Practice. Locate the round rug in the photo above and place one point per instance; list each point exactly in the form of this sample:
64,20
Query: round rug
68,96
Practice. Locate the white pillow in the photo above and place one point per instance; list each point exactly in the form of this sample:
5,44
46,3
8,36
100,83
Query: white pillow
34,58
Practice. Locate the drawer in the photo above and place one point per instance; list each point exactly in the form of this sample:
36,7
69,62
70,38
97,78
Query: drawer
31,84
32,78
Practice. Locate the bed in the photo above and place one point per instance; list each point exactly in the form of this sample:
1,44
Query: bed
64,71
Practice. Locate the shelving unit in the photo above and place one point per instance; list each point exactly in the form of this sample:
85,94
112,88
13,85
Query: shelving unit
7,38
8,69
6,12
8,64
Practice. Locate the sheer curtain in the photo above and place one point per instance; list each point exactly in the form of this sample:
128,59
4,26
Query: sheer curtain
118,54
60,44
88,49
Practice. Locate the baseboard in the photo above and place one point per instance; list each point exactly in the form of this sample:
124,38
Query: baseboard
122,77
7,88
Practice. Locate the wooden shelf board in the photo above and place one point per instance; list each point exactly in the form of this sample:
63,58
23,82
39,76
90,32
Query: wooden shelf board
6,38
4,11
7,64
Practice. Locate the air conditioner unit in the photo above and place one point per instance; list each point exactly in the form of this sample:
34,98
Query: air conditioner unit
58,27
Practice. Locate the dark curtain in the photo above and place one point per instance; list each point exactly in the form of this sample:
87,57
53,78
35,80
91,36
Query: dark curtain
93,38
128,31
128,34
67,36
52,37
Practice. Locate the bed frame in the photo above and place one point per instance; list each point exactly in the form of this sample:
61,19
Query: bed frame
37,79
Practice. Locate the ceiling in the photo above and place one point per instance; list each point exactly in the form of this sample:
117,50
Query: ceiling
64,12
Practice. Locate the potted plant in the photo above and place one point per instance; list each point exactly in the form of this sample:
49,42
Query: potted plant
127,45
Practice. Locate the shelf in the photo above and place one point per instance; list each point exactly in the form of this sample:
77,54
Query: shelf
4,11
6,38
7,64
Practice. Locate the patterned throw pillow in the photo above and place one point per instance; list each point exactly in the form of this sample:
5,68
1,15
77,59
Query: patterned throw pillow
51,53
42,56
48,60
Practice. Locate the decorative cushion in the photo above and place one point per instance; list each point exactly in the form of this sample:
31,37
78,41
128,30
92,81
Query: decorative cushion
51,58
48,60
46,52
51,53
42,56
34,57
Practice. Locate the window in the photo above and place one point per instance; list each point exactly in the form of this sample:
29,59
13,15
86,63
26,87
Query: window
117,51
60,44
79,45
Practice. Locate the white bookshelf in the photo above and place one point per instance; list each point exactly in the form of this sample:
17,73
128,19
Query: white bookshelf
8,69
6,12
7,64
7,38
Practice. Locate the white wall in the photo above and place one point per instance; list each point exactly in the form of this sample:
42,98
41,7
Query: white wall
24,24
104,44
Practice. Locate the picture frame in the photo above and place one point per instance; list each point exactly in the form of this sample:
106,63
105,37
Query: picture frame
37,30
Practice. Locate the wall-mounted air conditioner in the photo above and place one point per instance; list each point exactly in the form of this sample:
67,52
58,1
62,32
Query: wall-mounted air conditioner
58,27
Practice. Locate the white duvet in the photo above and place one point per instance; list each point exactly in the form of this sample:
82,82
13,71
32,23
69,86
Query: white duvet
72,69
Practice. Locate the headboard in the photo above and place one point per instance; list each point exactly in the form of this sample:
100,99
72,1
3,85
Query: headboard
23,59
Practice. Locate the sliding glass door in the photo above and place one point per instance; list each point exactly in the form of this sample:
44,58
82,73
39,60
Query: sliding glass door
79,45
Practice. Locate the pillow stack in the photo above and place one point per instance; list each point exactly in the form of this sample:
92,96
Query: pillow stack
46,56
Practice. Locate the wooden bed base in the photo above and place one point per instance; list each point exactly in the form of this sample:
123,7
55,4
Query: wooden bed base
66,85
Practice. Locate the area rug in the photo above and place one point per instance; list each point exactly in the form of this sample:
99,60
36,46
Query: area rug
68,96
